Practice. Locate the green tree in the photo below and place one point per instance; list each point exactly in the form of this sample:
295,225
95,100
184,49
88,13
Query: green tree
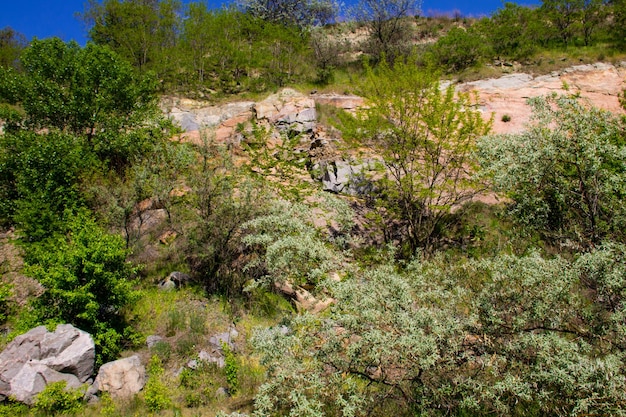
87,282
459,49
387,25
511,31
89,92
618,24
565,174
142,31
565,16
11,45
593,15
223,201
301,13
231,52
40,179
425,135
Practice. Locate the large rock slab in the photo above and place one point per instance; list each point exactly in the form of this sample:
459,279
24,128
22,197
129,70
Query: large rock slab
122,378
39,357
599,84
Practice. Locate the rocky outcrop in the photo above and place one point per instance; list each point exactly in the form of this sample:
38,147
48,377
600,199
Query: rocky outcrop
39,357
343,177
288,110
122,378
600,84
349,103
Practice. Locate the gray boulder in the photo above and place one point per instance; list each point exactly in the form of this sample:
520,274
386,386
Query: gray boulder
39,357
342,177
226,338
152,340
174,280
122,378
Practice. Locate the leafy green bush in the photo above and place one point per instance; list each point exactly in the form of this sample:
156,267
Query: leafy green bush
163,350
470,338
565,173
459,49
231,366
40,180
87,282
288,245
56,399
156,394
6,291
10,408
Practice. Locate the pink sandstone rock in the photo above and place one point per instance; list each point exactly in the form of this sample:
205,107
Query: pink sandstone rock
600,84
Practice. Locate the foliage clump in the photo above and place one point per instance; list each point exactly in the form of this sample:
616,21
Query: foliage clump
87,282
57,398
565,173
425,136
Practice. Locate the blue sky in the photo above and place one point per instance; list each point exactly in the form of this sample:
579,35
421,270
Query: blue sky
46,18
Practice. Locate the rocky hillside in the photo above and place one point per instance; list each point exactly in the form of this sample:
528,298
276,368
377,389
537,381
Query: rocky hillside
600,84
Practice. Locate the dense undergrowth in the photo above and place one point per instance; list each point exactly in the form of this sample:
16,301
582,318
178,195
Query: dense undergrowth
442,305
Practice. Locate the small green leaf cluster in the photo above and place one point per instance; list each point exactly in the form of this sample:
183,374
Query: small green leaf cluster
156,394
56,398
231,367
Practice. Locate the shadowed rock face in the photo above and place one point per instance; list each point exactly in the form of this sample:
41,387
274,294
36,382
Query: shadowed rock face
37,358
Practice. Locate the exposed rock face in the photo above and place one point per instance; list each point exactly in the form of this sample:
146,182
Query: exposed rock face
346,102
35,359
288,110
599,83
344,177
122,378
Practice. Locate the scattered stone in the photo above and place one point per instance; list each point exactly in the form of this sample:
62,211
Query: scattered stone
234,334
217,359
192,364
221,338
174,280
167,285
122,378
152,340
179,278
342,177
222,392
39,357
